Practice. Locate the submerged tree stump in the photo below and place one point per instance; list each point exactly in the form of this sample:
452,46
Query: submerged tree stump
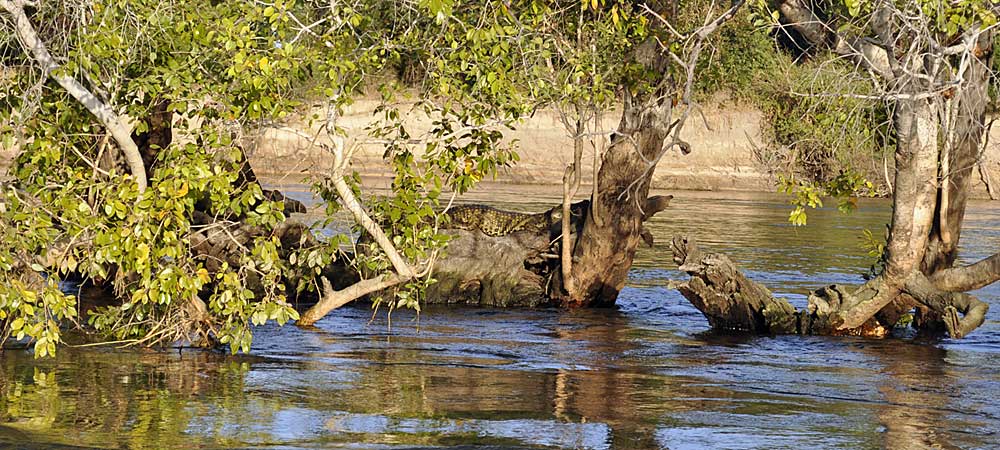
727,298
500,271
487,264
732,302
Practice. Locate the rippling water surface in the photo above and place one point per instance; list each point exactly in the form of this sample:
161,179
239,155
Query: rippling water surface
645,375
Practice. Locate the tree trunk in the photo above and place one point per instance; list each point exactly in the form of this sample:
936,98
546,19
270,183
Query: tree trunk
604,249
938,141
158,134
968,109
959,157
912,211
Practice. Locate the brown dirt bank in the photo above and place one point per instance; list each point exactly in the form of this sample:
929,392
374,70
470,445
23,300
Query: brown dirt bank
724,153
725,148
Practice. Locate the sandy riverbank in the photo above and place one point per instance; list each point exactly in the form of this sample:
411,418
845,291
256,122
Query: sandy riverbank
722,158
724,141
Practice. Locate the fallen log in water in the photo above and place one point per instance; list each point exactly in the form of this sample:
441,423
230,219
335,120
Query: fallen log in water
495,258
515,269
732,302
502,271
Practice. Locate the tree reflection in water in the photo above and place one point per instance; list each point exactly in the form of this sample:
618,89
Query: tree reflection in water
919,391
105,398
589,379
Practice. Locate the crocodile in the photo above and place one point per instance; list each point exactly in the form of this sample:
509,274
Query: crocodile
495,222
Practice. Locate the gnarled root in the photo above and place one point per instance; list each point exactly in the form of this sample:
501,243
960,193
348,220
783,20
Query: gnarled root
946,306
822,314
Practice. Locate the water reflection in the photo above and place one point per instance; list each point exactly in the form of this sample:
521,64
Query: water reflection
439,388
926,401
645,375
111,399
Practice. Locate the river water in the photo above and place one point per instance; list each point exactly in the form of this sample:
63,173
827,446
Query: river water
645,375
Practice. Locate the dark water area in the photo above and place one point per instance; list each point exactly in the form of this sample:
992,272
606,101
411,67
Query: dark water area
645,375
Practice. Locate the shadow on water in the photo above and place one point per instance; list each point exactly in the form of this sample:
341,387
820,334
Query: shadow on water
647,374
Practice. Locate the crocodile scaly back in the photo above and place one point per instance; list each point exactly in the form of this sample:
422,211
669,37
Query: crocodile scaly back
495,222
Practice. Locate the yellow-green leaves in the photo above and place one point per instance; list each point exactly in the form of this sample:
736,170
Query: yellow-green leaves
875,247
854,7
803,194
439,9
845,188
954,17
86,225
33,315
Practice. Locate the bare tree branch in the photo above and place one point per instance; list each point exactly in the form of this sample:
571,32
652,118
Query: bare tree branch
571,183
330,298
967,278
119,130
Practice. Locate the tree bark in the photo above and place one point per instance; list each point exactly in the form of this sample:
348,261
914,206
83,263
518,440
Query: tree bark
968,110
520,269
496,271
968,278
728,299
604,251
649,127
913,211
733,303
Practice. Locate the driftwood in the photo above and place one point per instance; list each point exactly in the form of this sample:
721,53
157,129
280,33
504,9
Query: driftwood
726,297
732,302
